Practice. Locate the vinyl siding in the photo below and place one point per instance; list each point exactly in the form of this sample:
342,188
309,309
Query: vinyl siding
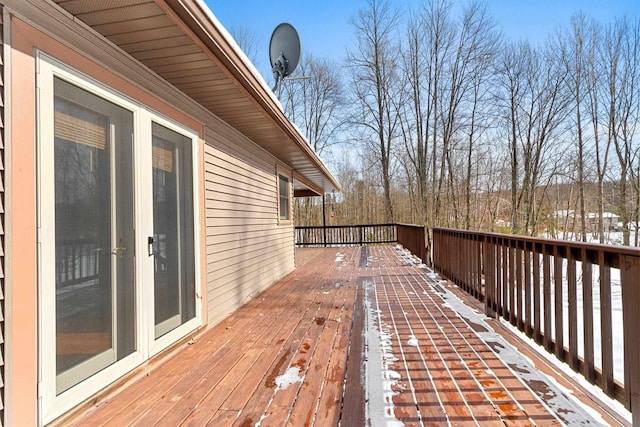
246,249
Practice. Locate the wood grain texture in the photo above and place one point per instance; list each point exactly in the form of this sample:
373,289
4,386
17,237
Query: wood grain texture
310,325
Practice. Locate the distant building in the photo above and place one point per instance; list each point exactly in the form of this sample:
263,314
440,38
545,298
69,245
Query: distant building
609,221
571,218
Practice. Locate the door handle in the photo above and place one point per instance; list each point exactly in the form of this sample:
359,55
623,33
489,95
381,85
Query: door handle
119,252
150,245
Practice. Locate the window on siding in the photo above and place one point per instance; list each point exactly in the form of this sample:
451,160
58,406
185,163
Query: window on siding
284,197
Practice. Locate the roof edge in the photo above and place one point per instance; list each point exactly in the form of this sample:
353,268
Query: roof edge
201,20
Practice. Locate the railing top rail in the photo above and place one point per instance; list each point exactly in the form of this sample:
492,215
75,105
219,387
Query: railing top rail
622,250
308,227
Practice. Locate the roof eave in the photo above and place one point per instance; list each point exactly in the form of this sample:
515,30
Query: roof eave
196,15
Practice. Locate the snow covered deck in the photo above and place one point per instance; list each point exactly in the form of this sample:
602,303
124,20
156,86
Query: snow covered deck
353,336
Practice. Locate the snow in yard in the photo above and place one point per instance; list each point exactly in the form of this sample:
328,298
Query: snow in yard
616,310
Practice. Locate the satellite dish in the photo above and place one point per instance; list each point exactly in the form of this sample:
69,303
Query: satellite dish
284,52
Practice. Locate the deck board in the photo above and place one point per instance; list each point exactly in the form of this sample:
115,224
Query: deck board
443,371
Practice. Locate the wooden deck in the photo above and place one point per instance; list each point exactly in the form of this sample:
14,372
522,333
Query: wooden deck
354,336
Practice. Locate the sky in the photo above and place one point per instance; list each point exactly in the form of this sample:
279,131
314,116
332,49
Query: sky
325,30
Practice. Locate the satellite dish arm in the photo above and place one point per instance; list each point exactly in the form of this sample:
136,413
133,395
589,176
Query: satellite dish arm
280,70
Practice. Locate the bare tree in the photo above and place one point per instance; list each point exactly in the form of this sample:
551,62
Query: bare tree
512,68
459,130
429,39
621,53
445,64
534,107
315,102
572,53
473,48
595,91
248,41
374,65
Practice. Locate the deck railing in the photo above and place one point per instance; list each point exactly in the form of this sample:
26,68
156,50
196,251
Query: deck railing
580,301
412,237
345,235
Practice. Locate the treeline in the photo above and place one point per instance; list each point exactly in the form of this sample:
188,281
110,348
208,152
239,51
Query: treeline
457,126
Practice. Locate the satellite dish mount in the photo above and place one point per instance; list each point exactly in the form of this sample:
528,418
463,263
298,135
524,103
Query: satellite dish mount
284,52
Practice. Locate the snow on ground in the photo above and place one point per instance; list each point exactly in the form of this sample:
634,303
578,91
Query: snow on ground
408,257
610,237
291,376
616,307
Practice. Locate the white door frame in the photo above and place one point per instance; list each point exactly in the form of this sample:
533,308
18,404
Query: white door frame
50,405
146,230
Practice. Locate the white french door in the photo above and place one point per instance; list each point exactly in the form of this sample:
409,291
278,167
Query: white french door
117,218
94,253
171,233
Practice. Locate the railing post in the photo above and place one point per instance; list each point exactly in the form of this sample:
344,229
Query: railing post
489,277
480,263
421,245
324,223
630,271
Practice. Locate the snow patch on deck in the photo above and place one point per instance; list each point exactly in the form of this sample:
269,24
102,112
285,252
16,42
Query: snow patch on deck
379,359
291,376
413,341
615,405
567,409
408,257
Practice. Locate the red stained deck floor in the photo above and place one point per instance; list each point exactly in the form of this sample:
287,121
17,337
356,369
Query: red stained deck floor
318,326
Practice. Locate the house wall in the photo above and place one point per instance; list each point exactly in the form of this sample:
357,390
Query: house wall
247,250
243,247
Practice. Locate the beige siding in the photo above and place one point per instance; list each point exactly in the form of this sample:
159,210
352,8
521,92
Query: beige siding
247,250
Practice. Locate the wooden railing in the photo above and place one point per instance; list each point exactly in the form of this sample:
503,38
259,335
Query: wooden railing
412,237
547,288
345,235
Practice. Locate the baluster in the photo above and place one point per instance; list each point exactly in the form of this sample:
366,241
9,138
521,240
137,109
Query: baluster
587,312
606,328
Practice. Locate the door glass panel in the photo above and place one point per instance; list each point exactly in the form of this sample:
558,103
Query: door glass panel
94,233
173,248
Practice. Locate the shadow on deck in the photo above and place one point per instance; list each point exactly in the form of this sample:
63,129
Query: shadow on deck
353,336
